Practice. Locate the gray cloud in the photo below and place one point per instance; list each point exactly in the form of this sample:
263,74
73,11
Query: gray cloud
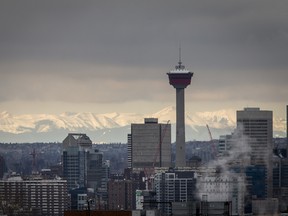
51,49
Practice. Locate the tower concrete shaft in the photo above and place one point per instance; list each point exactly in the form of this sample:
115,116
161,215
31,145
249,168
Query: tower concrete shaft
180,79
180,128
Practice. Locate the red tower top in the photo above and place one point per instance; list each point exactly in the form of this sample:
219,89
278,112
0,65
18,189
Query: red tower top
180,77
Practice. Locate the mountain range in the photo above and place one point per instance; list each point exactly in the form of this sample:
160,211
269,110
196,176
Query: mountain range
114,127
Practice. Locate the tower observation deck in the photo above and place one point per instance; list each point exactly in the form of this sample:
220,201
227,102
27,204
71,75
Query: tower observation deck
180,78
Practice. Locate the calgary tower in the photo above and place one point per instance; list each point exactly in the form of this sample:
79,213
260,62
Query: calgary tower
180,78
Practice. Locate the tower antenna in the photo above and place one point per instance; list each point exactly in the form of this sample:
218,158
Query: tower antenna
180,62
180,66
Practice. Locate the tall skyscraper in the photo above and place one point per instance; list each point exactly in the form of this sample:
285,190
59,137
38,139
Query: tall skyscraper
180,78
149,144
84,170
257,127
74,165
82,165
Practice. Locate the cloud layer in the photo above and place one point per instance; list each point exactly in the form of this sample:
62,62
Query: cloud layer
119,51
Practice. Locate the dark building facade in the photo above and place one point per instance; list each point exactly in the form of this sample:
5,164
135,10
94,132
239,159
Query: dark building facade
256,127
149,145
83,167
280,182
3,167
174,186
121,194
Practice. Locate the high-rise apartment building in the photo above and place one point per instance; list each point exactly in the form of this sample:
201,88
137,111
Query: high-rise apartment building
257,128
174,186
149,144
48,197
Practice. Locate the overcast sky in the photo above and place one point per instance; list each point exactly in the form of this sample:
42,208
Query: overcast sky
113,56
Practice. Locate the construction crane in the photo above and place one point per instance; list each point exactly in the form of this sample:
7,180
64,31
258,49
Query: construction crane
212,142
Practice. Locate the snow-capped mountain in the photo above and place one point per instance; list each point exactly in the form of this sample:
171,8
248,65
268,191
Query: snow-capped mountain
112,127
71,121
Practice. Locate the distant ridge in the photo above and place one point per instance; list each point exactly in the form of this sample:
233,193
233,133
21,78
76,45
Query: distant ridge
113,127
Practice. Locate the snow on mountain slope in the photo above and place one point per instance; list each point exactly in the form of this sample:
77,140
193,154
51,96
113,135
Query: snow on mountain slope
113,126
217,119
71,121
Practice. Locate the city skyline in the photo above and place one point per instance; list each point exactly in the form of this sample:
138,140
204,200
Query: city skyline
111,56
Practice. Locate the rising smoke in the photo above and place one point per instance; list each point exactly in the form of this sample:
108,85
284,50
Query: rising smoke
226,174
